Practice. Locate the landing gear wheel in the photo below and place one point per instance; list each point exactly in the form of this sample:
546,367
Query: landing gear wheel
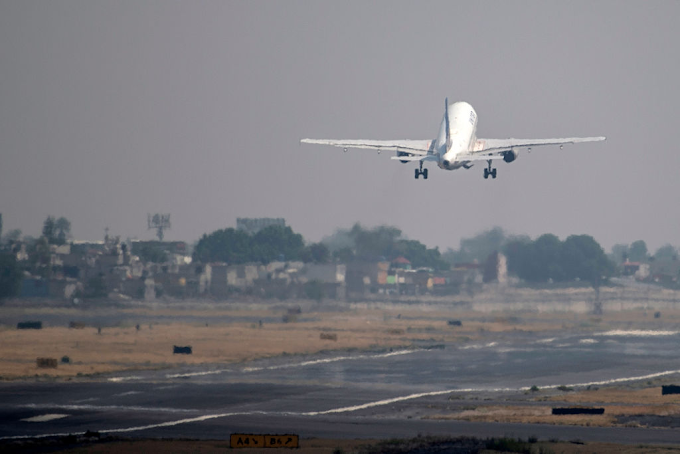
489,171
421,171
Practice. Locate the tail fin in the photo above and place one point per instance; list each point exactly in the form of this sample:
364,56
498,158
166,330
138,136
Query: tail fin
448,124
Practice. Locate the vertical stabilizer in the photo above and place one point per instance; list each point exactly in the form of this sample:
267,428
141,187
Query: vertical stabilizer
448,124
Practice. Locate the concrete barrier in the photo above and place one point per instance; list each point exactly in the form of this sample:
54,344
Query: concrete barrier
670,389
46,363
577,411
177,350
29,325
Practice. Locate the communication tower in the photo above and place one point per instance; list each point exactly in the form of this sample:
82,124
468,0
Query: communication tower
160,222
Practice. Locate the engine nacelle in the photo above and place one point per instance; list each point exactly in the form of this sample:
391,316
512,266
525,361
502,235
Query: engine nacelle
510,155
403,153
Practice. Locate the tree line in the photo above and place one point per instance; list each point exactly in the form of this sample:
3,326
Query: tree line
273,243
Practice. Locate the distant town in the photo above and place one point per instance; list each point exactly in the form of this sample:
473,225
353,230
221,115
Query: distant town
262,258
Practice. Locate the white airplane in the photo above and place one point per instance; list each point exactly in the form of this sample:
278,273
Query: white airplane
456,145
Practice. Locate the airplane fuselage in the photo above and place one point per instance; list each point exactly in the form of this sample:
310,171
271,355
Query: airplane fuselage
462,133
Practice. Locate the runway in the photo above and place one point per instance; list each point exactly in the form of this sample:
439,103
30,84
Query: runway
347,395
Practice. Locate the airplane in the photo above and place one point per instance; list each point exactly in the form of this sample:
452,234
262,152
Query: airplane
456,144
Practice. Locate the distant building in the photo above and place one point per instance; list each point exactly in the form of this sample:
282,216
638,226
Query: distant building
401,263
495,268
639,270
254,225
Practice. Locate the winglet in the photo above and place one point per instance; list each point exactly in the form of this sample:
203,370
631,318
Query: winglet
448,124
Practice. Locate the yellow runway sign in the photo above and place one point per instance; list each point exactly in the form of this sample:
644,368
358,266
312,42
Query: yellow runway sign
264,441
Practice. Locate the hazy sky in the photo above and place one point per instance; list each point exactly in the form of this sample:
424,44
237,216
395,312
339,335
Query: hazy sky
111,110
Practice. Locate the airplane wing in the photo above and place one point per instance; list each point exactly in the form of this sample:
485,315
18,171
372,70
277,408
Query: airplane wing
416,147
493,146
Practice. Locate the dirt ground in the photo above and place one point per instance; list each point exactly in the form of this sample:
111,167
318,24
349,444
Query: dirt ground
131,345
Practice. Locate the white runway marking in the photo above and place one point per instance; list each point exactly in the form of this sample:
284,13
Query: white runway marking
45,418
121,379
636,333
546,341
330,360
587,341
129,393
198,374
280,366
109,407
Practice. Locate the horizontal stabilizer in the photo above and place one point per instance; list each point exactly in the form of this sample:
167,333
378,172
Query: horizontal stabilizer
428,157
477,157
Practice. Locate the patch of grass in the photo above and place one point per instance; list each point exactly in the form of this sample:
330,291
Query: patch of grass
508,444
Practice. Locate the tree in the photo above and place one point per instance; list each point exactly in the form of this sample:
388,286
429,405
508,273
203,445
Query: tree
667,252
579,257
12,236
277,243
547,264
479,247
226,245
376,243
316,253
583,258
419,255
48,230
343,255
56,231
10,276
62,228
620,253
638,251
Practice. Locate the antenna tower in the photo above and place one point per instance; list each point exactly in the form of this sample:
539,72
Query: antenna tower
160,222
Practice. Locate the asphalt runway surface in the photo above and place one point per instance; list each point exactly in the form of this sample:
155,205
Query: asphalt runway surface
382,394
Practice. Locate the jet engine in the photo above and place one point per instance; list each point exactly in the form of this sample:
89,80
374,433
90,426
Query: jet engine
510,155
403,153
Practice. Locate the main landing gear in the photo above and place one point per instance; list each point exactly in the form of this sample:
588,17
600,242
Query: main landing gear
421,171
489,171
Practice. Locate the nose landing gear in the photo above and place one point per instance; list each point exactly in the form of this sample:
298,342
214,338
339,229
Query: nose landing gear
489,171
421,171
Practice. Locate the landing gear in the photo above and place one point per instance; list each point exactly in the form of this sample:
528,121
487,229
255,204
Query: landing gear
489,171
421,171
